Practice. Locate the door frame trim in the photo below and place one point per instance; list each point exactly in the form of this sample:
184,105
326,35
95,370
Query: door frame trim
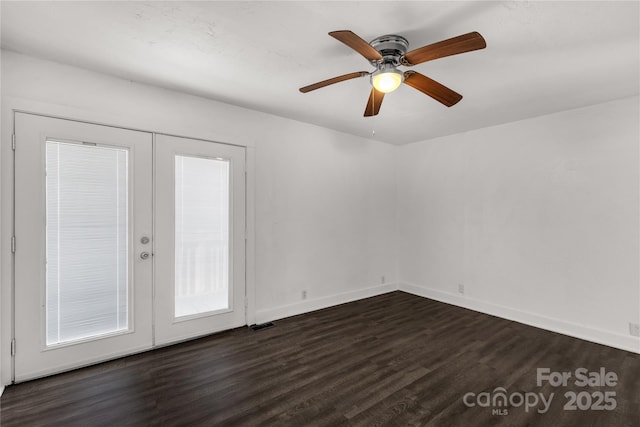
13,105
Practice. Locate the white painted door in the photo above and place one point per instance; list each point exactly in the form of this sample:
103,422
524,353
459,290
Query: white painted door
83,282
200,238
86,251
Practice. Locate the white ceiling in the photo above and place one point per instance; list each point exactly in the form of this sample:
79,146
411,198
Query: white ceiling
541,57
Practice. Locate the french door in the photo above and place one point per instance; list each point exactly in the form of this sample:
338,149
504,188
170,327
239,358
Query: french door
87,249
200,204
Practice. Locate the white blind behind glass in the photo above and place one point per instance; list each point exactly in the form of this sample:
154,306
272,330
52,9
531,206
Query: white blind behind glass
201,235
86,241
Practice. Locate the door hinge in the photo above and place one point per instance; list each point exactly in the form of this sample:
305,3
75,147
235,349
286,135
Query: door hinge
13,244
246,303
13,347
13,141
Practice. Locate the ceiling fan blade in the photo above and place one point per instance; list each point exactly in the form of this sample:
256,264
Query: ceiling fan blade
356,43
332,81
464,43
374,103
432,88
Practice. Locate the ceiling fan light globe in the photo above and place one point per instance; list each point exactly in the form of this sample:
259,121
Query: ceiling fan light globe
386,81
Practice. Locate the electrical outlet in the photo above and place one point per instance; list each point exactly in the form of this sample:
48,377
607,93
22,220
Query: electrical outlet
634,329
461,288
382,280
304,294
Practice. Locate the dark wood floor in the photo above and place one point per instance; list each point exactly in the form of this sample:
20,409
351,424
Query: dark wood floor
395,359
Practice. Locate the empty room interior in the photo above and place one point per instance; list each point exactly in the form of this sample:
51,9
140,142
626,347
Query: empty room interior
320,213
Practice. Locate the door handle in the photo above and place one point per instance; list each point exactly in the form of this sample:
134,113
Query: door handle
144,255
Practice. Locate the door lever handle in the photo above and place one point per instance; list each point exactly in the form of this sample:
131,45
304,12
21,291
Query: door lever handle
144,255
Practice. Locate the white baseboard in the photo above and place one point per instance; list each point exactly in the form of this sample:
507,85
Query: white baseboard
1,390
564,327
319,303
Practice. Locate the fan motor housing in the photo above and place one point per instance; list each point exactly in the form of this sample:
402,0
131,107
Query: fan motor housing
391,47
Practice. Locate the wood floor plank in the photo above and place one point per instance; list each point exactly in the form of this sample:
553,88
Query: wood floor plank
394,359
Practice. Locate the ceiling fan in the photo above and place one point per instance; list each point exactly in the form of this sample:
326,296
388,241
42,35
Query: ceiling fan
387,53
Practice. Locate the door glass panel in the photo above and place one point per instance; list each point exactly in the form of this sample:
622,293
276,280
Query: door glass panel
201,235
87,272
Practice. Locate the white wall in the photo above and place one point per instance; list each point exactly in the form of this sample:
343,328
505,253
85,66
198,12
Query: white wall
538,219
325,211
324,201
